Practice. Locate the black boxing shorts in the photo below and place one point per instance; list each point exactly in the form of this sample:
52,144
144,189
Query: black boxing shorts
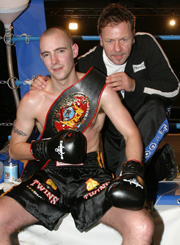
57,190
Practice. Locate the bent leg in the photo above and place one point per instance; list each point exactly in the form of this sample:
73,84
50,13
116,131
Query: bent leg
136,227
153,125
152,122
12,217
112,148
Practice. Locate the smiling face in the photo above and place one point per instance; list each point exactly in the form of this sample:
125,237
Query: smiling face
58,53
117,41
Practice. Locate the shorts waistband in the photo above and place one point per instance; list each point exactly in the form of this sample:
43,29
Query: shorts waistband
92,159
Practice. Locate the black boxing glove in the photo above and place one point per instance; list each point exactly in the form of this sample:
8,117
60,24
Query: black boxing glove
67,146
128,190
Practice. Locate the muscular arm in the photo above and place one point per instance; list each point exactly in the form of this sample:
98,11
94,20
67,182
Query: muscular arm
122,120
22,128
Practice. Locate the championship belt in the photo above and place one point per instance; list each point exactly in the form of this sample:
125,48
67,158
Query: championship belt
75,108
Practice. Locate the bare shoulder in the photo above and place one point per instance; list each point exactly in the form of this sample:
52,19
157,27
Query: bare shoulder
31,100
109,95
33,96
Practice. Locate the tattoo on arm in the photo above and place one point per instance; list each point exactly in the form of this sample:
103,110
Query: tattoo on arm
19,132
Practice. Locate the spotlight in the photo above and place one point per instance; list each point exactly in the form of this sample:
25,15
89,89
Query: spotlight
172,22
73,26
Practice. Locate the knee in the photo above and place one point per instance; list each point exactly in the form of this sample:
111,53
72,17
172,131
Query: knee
141,227
144,227
155,102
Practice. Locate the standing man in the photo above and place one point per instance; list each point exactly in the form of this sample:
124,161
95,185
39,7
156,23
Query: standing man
71,176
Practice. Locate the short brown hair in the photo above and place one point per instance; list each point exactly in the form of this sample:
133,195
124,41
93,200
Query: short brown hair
115,13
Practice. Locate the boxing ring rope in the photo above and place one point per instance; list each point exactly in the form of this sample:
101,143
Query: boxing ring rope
27,38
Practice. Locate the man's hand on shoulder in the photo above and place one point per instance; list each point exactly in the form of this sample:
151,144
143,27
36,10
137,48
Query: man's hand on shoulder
39,82
121,81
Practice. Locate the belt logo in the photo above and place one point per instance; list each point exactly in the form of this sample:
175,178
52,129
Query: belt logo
71,112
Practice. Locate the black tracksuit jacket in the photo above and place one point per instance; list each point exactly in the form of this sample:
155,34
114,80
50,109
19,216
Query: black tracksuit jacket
147,64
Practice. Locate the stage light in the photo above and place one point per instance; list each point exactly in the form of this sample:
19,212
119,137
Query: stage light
73,26
172,22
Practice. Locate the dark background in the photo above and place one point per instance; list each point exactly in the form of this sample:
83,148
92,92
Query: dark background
151,16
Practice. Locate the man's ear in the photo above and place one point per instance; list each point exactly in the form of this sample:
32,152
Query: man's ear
75,49
101,43
134,37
